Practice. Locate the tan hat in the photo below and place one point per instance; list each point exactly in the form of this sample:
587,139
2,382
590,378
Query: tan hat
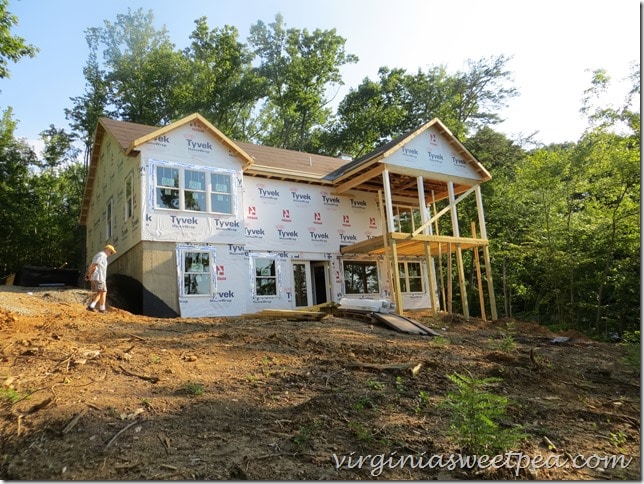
111,247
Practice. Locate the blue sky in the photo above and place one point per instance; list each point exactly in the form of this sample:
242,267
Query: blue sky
553,46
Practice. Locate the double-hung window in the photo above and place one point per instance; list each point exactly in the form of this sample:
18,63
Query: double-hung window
197,273
178,188
411,277
265,277
361,277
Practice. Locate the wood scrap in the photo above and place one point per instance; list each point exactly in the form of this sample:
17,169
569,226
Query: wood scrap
74,421
152,379
119,433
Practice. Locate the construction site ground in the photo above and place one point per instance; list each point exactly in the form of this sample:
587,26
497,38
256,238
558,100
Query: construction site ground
118,396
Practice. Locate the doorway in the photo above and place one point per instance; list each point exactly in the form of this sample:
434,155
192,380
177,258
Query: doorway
310,283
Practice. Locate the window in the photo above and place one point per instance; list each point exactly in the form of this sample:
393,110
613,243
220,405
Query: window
167,187
406,219
360,277
221,199
265,277
197,278
193,190
411,277
129,196
109,218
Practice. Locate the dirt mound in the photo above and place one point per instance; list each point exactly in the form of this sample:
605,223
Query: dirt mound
116,396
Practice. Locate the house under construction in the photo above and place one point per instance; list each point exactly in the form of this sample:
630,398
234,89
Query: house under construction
208,226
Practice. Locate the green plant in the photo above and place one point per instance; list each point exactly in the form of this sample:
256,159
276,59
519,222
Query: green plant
361,432
438,341
10,395
476,416
375,385
508,344
423,400
364,402
155,359
195,389
304,434
400,384
617,440
632,342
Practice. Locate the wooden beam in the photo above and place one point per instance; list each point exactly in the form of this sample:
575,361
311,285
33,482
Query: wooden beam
354,182
479,280
429,261
452,204
459,253
486,254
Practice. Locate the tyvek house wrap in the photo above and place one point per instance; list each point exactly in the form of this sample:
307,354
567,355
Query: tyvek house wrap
270,219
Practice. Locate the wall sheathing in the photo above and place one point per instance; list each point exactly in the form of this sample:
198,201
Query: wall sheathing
283,220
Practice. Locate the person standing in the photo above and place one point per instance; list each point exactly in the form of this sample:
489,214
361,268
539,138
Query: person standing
97,276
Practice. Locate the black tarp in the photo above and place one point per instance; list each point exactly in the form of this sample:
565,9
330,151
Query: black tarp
31,276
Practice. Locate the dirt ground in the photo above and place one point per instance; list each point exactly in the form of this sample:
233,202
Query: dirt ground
117,396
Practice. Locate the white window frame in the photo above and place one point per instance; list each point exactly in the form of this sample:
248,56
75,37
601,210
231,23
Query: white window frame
362,263
256,276
403,270
209,273
181,184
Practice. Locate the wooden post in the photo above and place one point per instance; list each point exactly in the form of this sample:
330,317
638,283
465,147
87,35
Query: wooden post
459,252
479,280
385,242
397,293
429,261
449,278
440,256
486,253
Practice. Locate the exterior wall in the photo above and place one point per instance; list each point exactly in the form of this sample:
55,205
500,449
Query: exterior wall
431,151
114,168
293,224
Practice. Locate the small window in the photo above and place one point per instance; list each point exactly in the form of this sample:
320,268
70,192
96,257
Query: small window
129,196
196,273
167,187
109,219
265,277
361,277
411,278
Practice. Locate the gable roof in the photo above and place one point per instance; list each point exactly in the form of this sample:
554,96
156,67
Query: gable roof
364,173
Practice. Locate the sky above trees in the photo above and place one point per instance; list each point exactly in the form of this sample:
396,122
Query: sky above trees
553,47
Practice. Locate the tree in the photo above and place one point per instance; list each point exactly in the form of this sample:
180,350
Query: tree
375,113
222,85
142,69
299,67
92,105
12,47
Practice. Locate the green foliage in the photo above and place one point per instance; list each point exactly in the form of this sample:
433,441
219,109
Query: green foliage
12,47
10,395
508,344
195,389
632,341
477,416
305,433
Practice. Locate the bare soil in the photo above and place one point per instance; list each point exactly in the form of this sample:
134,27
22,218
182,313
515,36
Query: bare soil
117,396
